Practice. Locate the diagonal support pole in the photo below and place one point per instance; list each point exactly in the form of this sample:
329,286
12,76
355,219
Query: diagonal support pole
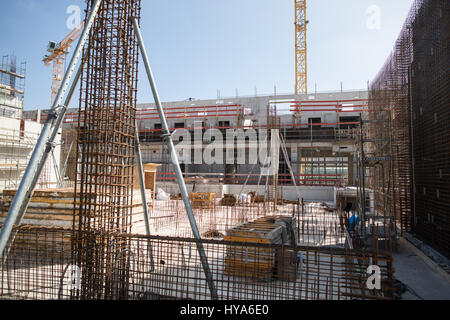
143,195
45,142
137,148
176,164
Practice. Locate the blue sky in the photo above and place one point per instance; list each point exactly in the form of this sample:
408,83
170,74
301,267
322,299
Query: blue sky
197,47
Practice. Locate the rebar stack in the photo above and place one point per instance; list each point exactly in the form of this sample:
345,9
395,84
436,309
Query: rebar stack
106,139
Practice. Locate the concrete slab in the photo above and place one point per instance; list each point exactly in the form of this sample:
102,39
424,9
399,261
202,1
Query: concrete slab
420,277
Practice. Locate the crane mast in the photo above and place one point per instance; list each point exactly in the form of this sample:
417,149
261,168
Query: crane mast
301,75
58,55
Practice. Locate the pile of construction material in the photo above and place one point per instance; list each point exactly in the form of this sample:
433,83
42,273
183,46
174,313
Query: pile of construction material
263,263
255,198
48,207
203,200
55,208
228,200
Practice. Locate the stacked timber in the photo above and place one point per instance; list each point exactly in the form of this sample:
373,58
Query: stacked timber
263,263
56,207
47,207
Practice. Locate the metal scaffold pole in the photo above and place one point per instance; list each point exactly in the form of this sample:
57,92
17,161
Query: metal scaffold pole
168,139
143,194
45,142
142,182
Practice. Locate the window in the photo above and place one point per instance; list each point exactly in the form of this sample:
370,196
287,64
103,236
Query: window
345,120
223,124
158,126
314,121
179,125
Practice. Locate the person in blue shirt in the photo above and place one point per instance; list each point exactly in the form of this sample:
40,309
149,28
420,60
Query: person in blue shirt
353,222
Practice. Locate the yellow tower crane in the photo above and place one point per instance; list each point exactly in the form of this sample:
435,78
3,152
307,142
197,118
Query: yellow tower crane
301,74
58,55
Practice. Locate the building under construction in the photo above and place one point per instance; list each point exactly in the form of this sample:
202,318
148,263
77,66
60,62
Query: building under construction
307,195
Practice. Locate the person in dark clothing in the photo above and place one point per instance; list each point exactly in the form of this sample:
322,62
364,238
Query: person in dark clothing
348,207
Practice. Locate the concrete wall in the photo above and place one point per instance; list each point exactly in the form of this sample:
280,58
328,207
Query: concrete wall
320,194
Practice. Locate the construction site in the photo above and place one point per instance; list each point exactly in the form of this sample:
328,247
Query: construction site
341,195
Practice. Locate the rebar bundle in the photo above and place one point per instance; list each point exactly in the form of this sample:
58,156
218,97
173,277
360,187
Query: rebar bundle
106,139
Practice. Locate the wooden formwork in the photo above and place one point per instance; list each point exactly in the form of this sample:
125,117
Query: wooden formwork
262,263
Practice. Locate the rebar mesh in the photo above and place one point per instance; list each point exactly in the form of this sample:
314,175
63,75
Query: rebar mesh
412,90
160,268
106,139
389,98
430,97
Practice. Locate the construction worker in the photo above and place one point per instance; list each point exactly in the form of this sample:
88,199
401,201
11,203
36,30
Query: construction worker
300,260
353,221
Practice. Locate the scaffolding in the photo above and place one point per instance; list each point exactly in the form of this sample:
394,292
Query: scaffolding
16,146
375,180
12,87
17,136
312,166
